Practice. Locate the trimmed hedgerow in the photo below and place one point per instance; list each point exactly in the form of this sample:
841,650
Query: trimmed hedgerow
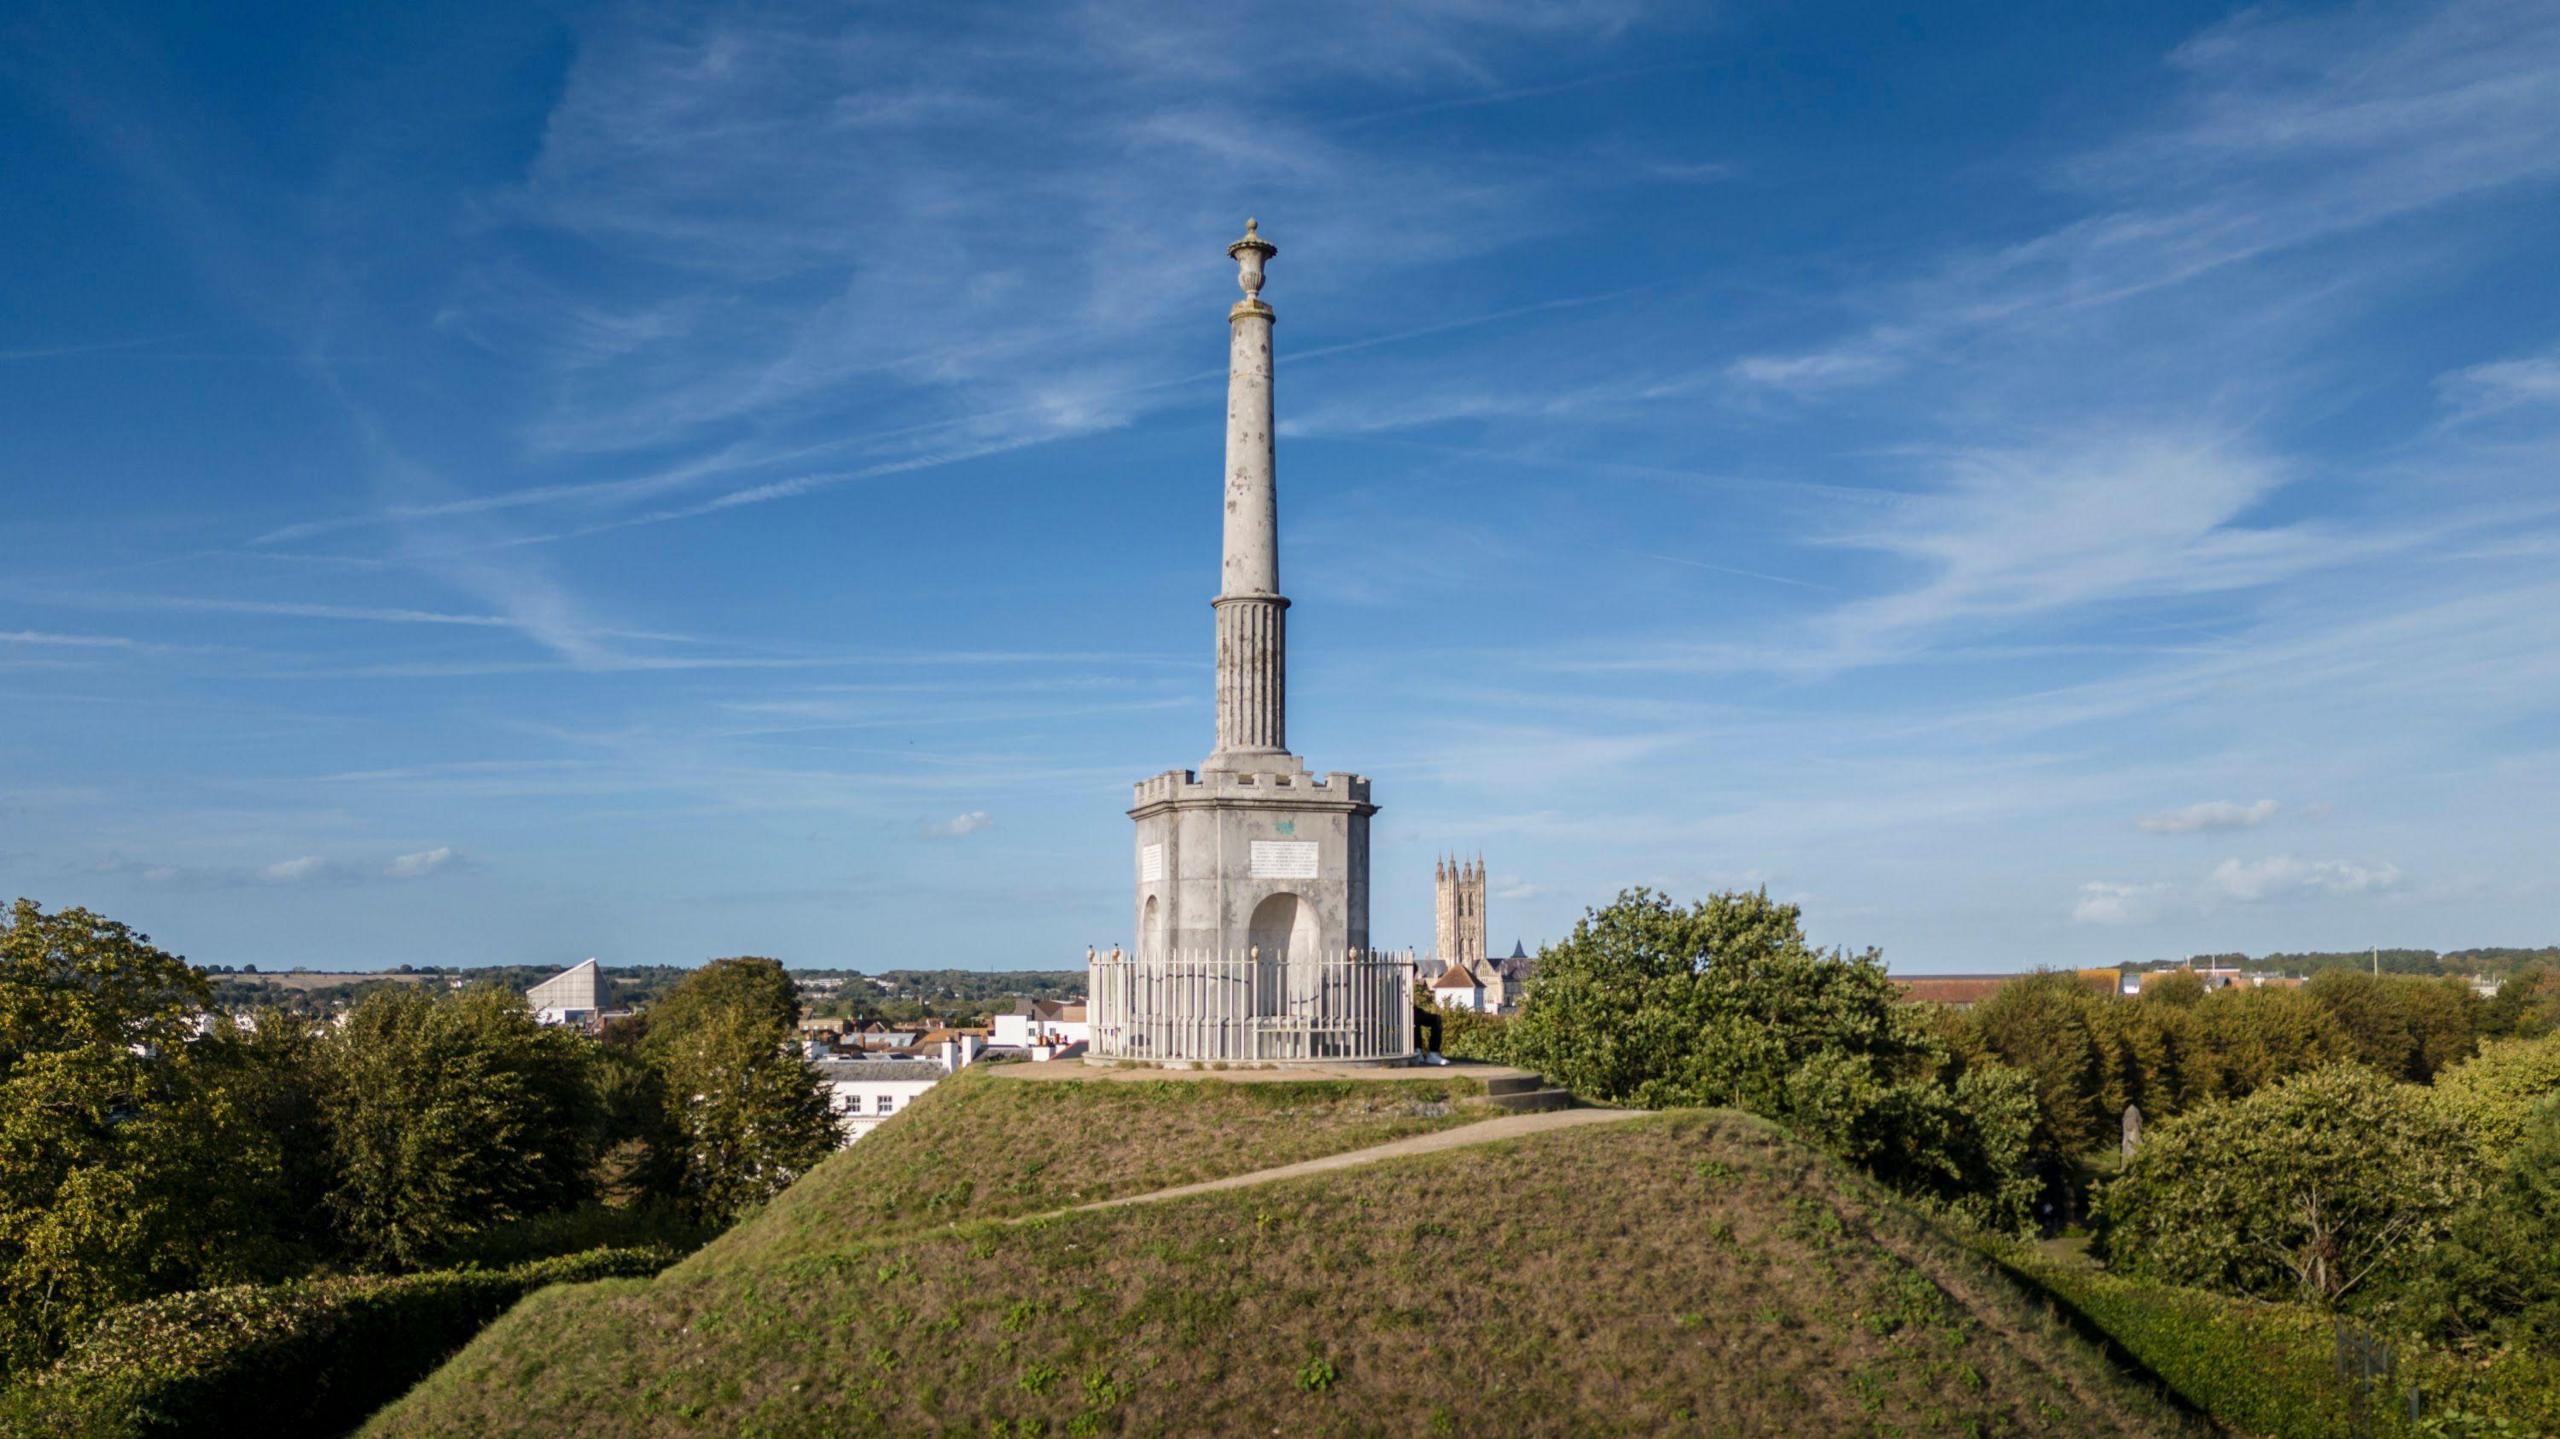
312,1357
2271,1368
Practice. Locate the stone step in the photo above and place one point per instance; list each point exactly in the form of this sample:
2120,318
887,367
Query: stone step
1533,1101
1514,1084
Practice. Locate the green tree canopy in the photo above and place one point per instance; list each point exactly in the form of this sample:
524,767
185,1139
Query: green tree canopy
758,988
2491,1094
448,1114
2404,1026
2248,1039
2497,1275
124,1172
2054,1029
75,979
1723,1003
2308,1188
746,1111
2527,1004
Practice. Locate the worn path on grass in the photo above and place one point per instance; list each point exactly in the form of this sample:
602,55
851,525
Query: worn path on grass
1483,1131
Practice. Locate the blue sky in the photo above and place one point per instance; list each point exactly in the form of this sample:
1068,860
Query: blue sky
2037,484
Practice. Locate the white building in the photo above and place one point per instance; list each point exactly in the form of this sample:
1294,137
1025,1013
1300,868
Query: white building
1036,1022
575,995
863,1092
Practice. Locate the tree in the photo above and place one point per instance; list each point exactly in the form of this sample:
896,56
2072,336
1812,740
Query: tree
1723,1003
75,979
2403,1026
2311,1188
756,987
451,1114
123,1173
746,1110
2492,1094
2250,1038
271,1068
639,1154
2497,1274
2178,989
2527,1004
2049,1027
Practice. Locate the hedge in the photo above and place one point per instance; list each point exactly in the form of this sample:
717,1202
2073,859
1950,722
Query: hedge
303,1360
2272,1368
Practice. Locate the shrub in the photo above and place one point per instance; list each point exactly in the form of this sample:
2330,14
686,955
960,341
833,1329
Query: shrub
2308,1188
2272,1368
654,1224
1473,1034
2497,1274
312,1357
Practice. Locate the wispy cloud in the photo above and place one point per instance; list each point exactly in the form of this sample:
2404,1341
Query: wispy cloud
2107,902
304,870
959,826
418,864
2284,877
2502,385
2211,815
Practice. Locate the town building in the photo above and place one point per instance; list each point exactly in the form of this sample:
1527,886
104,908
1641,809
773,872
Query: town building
1041,1022
577,996
864,1092
1252,871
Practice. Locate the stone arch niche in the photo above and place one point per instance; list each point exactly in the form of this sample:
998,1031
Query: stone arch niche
1151,927
1283,927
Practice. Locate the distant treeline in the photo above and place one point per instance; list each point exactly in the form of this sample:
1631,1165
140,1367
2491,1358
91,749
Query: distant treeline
2491,960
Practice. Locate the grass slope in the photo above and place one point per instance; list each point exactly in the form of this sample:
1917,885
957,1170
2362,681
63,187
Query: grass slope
1689,1273
982,1145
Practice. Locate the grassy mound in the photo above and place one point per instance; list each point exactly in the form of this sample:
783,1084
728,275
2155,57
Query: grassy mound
1692,1273
987,1145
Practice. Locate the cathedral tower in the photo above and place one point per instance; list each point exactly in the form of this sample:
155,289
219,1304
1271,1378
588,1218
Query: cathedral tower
1458,911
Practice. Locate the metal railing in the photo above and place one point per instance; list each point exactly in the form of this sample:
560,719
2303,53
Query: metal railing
1203,1007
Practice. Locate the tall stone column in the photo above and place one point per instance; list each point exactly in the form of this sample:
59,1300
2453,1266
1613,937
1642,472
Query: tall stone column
1252,615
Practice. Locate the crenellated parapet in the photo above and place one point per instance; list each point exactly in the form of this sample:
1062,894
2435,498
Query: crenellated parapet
1183,786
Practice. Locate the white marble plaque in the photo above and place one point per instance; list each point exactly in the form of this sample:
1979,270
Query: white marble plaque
1151,864
1284,859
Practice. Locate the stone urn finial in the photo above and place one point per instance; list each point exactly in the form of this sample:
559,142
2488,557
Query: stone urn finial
1249,253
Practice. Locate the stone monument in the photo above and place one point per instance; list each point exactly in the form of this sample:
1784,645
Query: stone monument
1252,871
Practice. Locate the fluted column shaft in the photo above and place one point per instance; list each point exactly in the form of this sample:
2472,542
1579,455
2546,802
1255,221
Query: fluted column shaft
1253,674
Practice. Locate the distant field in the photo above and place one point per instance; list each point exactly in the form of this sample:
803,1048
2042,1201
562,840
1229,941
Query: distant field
325,979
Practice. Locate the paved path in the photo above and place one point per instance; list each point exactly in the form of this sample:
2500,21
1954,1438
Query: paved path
1483,1131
